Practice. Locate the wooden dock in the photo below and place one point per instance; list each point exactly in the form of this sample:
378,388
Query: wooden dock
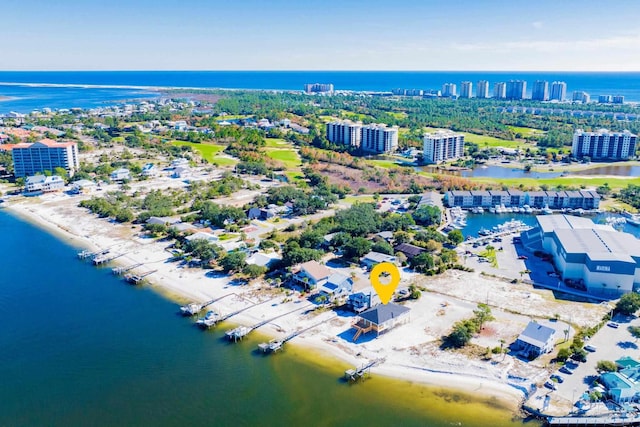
103,259
121,270
274,345
237,334
194,308
357,374
213,317
136,279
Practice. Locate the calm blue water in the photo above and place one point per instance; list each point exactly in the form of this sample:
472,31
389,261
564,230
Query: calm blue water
24,99
627,84
78,347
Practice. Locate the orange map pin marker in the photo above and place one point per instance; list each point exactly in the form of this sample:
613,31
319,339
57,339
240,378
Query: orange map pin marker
385,291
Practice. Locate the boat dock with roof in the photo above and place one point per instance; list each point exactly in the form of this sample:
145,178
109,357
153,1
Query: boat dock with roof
194,308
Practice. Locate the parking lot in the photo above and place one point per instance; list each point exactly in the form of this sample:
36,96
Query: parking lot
610,344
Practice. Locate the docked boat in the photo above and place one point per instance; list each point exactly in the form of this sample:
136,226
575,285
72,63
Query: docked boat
209,320
492,209
484,232
635,221
527,209
546,210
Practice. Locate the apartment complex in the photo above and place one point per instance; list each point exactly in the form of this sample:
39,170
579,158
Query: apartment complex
581,96
516,89
540,90
345,132
466,90
558,91
500,90
378,138
482,89
318,88
374,138
449,89
514,198
443,145
44,155
604,145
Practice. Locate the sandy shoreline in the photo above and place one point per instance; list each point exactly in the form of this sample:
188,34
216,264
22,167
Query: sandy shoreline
409,350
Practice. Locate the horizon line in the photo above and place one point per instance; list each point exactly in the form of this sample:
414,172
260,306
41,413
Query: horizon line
309,71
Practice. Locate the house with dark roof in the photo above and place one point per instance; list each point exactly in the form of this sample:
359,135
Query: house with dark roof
536,339
380,319
409,250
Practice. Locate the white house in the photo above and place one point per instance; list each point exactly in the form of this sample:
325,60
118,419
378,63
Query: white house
536,339
373,258
121,174
43,183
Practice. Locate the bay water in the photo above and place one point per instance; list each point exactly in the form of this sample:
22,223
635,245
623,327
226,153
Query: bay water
79,347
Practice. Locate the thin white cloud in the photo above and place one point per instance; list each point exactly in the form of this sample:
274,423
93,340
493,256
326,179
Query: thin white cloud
537,24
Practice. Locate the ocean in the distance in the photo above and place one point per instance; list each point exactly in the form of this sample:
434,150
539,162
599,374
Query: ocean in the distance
594,83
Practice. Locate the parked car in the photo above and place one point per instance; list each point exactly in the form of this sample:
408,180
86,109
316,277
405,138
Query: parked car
523,257
590,348
566,370
557,378
550,384
613,325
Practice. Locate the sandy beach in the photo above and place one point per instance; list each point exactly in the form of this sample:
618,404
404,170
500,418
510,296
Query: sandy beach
411,351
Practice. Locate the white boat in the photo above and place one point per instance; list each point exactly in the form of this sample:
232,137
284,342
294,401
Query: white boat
480,210
522,210
484,232
498,209
527,209
492,209
635,221
546,210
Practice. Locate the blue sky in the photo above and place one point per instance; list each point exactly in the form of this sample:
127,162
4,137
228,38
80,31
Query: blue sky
320,35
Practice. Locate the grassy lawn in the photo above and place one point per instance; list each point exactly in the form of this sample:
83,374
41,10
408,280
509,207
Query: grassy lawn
277,143
384,163
611,204
287,156
231,117
294,176
208,152
525,131
490,254
355,199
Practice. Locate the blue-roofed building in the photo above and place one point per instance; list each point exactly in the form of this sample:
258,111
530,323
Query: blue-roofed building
622,386
337,285
536,339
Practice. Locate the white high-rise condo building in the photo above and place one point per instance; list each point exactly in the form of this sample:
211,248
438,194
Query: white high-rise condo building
443,145
378,138
581,96
540,90
449,89
603,145
558,91
345,132
44,155
516,89
618,99
466,90
482,89
605,99
500,90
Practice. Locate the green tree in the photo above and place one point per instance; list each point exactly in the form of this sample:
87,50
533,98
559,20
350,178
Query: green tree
427,215
233,262
459,336
482,315
254,271
356,248
455,237
606,366
382,247
628,303
563,354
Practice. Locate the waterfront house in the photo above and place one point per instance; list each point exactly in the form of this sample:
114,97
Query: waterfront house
311,274
535,340
263,259
373,258
82,186
380,319
121,174
337,285
44,184
163,220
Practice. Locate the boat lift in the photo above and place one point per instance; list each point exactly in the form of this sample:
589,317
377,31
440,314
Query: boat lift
213,318
121,270
136,279
354,375
194,308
